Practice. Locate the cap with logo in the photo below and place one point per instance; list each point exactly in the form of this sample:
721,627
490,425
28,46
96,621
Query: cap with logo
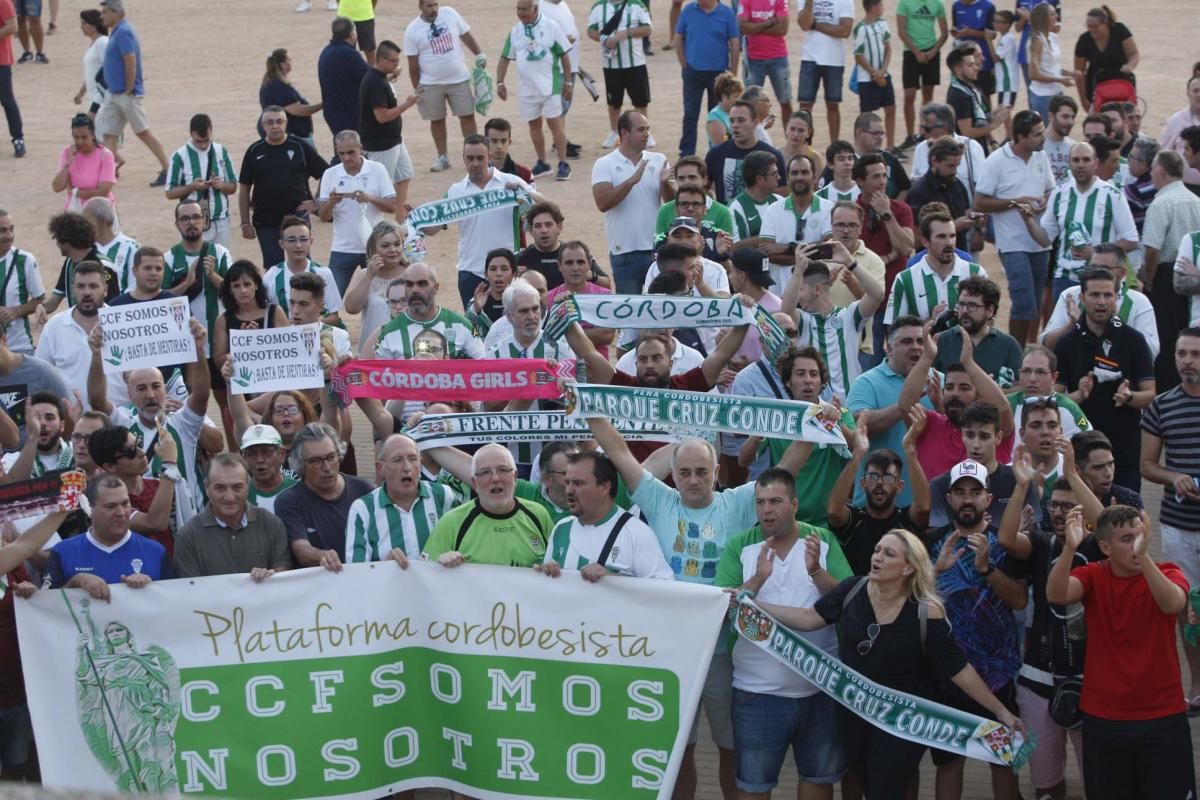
683,222
969,469
261,434
751,262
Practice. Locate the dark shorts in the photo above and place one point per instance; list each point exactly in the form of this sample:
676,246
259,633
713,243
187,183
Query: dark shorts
915,75
872,96
956,698
28,8
632,80
214,376
366,34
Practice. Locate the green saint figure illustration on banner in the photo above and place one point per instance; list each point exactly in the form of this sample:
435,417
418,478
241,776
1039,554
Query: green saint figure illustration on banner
128,703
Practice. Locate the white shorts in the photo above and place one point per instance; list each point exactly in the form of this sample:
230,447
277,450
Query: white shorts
396,161
1182,548
549,106
119,109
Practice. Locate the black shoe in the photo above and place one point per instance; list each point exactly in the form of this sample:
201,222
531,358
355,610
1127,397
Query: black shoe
910,141
40,58
573,151
18,148
646,48
25,58
161,180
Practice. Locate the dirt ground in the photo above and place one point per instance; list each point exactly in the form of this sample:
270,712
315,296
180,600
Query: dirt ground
209,57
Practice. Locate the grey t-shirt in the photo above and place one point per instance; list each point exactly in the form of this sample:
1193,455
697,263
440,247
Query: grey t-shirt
32,375
306,515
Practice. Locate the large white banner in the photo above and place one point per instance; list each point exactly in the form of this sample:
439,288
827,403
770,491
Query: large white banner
151,334
497,682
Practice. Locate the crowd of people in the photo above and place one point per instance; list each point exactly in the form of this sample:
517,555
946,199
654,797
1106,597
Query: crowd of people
979,534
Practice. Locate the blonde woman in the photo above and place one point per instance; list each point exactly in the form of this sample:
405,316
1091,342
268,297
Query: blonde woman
728,88
368,290
879,629
1046,77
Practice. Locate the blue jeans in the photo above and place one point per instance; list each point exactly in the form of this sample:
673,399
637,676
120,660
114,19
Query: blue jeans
1026,273
268,243
777,71
1060,285
695,83
813,74
16,735
342,266
467,281
629,270
12,112
1041,104
766,725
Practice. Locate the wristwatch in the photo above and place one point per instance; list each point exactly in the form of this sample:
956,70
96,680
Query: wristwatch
886,216
853,265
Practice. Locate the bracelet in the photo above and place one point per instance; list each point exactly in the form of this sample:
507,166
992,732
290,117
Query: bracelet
815,571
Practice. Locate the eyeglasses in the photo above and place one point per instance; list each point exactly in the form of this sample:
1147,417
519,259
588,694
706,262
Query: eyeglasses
554,472
297,240
690,204
970,307
397,301
847,226
287,411
128,451
1037,373
80,437
1057,505
874,133
191,218
499,472
876,477
866,644
317,461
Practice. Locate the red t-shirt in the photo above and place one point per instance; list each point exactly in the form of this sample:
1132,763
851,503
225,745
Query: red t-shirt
877,240
142,503
693,381
1132,670
7,12
941,446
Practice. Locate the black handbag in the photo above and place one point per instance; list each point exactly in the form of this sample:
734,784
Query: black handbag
1064,702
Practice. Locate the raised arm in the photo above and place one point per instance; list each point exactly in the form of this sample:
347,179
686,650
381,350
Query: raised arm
914,382
97,381
1061,588
843,488
987,389
614,446
28,544
1014,542
598,368
918,481
200,386
725,350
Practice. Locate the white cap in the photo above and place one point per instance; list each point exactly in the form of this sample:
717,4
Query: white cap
969,469
261,434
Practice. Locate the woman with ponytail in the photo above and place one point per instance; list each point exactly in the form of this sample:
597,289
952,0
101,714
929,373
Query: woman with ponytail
277,90
1106,51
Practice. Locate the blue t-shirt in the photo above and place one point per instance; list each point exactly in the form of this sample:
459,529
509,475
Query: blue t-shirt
81,553
692,539
980,16
122,40
1023,53
283,94
706,36
879,387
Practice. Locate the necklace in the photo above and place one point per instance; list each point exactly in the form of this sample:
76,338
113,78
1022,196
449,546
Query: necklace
890,613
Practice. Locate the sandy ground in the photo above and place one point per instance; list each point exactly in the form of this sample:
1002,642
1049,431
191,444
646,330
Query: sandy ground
209,57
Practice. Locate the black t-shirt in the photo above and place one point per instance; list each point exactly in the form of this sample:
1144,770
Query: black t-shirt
306,515
127,298
279,174
493,309
543,262
1121,353
930,188
862,532
1057,638
112,284
376,92
1104,65
967,102
724,166
283,94
895,659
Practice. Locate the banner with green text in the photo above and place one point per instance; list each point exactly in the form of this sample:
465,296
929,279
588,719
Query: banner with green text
456,430
493,681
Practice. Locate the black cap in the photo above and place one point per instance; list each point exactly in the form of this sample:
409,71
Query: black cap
751,262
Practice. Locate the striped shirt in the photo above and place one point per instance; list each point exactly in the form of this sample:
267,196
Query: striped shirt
396,337
376,525
870,41
1174,417
279,288
629,53
1100,214
918,290
266,500
836,337
20,282
835,195
747,215
189,164
508,347
206,305
782,225
120,251
538,49
635,551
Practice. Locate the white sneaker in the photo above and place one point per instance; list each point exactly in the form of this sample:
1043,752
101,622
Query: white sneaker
611,140
332,5
304,6
442,163
651,143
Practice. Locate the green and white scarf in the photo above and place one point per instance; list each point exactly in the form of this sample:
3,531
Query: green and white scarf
516,427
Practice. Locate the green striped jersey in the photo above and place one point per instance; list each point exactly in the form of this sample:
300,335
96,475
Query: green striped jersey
538,49
184,426
1071,418
1190,247
189,164
279,289
870,41
20,282
629,53
396,337
206,306
266,500
835,195
66,278
635,551
747,215
120,251
508,347
836,337
1100,214
918,290
43,463
376,525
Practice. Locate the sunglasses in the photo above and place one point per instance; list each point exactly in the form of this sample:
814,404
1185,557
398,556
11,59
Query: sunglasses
866,644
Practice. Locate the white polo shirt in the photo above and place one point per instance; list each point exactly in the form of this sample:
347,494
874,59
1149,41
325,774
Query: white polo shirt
780,224
629,226
1007,176
64,344
480,233
352,220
